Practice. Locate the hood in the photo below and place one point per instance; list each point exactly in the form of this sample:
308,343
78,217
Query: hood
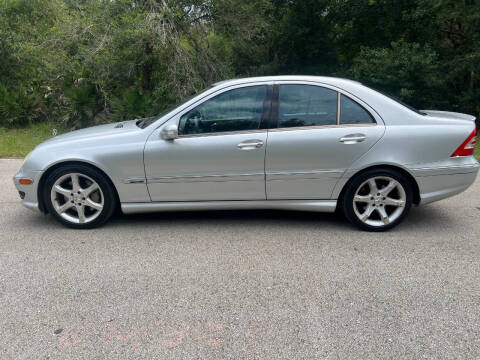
96,132
93,145
448,115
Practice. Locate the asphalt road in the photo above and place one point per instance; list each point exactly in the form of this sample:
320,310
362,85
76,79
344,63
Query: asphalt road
240,285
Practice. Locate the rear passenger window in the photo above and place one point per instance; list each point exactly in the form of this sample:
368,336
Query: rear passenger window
307,105
353,113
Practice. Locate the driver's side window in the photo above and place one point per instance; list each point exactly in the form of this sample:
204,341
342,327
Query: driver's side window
233,110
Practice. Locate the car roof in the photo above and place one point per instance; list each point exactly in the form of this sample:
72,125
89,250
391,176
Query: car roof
383,105
323,79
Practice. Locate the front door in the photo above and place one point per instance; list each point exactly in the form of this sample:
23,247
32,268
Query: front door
320,134
220,151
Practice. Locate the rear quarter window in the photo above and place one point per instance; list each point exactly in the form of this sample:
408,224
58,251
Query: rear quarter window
353,113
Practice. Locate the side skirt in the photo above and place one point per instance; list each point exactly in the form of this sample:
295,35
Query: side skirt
298,205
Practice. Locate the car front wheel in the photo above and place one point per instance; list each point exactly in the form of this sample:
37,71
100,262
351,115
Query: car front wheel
378,200
79,196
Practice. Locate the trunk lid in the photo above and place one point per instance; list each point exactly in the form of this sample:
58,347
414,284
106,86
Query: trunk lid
448,115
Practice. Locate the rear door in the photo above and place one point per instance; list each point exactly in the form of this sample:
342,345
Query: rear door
320,132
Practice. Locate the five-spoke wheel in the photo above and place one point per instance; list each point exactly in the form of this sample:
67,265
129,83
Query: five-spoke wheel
79,196
378,199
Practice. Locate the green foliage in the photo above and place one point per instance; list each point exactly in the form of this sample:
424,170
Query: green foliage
23,104
406,70
81,104
131,105
86,62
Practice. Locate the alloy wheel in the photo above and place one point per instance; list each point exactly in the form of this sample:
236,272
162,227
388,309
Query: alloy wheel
379,201
77,198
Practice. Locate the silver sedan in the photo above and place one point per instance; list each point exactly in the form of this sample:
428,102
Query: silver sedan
291,142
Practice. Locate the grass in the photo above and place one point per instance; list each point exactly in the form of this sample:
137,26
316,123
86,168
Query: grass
19,142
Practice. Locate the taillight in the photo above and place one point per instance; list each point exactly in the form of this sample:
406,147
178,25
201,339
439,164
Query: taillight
468,146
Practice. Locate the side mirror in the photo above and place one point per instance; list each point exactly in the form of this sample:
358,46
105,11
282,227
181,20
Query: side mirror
169,132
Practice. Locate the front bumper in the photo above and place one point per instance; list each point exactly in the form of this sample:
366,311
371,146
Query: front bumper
30,199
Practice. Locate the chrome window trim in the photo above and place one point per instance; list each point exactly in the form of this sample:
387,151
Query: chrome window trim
175,117
182,108
321,127
236,132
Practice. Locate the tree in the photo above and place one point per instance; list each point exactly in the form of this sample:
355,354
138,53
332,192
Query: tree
85,62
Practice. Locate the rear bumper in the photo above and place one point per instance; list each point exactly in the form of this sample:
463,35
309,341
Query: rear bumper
30,199
437,183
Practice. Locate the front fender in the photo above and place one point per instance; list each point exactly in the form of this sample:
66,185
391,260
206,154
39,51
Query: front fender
119,157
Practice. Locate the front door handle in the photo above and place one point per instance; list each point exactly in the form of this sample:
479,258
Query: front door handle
250,145
353,138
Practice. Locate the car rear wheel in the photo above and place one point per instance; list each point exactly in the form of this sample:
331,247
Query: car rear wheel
79,197
378,200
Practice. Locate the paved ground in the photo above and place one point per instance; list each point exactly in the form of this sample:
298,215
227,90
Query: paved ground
239,285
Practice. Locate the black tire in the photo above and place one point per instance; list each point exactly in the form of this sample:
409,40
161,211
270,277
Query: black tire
109,195
348,202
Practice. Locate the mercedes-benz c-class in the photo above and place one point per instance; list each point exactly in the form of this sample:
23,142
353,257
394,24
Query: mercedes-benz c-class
290,142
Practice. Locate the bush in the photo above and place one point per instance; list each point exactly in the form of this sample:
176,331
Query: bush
20,107
407,71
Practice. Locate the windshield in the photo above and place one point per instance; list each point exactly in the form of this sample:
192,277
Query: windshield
399,101
143,123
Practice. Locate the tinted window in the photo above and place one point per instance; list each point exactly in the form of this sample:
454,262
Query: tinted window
353,113
234,110
306,105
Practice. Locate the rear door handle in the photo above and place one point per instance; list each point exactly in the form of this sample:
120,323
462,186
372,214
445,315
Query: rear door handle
250,145
353,138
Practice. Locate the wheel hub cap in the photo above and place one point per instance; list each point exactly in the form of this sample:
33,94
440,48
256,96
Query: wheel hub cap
77,198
